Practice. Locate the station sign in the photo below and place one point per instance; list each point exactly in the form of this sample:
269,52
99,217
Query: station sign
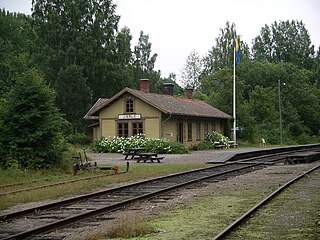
129,116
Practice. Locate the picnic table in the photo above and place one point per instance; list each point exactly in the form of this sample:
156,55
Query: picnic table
133,152
149,157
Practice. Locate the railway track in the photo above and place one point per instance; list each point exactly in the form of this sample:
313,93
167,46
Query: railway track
35,222
250,213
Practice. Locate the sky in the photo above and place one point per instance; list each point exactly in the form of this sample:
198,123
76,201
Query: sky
178,27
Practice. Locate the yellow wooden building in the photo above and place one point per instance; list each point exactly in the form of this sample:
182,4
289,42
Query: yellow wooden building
131,111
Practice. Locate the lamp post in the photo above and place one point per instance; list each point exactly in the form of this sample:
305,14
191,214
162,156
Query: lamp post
280,111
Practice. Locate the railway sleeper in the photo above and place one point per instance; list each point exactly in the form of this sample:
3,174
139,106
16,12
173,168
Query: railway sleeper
80,208
158,201
103,218
134,208
47,217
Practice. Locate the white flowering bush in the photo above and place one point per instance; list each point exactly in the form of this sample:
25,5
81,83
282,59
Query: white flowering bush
158,145
218,137
120,144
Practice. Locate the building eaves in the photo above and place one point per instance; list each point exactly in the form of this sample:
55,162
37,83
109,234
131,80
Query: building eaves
90,114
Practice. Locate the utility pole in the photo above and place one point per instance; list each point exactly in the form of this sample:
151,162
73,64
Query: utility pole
280,111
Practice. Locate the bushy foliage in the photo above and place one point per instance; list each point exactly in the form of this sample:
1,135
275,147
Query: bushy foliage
120,144
218,137
158,145
206,145
178,148
78,138
30,125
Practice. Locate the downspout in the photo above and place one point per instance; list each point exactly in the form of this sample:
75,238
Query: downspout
166,119
165,122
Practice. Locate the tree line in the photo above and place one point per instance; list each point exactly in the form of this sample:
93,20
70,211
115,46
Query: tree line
281,53
57,62
54,65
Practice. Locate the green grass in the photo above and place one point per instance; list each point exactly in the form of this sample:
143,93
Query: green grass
293,214
136,172
198,220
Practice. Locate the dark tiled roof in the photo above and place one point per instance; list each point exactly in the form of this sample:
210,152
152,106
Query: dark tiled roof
181,106
89,114
167,104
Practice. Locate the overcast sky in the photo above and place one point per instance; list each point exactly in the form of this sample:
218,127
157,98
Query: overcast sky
177,27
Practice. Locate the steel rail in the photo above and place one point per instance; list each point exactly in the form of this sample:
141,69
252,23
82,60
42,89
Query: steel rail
247,215
79,217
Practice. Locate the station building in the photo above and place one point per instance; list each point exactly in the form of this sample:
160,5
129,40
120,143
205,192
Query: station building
177,119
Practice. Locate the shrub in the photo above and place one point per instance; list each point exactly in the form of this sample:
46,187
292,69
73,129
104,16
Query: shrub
30,124
194,147
205,145
217,137
178,148
120,144
158,145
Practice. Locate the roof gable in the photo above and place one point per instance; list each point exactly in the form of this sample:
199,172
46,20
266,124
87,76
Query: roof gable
90,114
167,104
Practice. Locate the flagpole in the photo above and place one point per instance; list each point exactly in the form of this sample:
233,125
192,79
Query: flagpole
234,95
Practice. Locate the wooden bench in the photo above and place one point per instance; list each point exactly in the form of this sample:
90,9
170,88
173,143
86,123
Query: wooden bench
232,144
218,145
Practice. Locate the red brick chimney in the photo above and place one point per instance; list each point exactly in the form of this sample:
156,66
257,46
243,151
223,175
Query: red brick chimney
167,88
144,85
189,92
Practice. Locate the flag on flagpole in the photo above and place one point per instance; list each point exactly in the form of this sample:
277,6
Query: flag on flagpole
236,60
236,45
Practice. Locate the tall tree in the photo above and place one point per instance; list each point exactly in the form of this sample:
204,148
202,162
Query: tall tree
117,72
191,71
15,44
75,33
221,54
123,54
218,88
70,80
284,42
143,61
142,58
262,103
300,109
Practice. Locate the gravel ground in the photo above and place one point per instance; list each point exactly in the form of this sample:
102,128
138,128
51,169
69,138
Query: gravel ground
193,157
